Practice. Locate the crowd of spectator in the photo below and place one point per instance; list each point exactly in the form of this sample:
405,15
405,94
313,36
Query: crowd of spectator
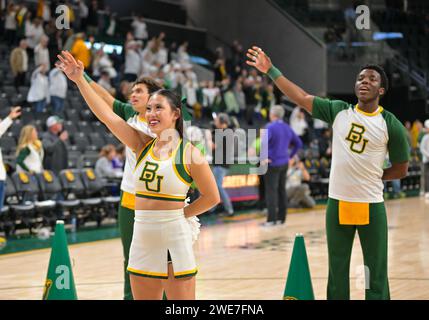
236,90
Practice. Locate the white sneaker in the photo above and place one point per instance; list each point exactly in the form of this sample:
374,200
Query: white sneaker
427,195
268,224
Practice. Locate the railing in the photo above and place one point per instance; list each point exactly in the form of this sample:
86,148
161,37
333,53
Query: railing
407,67
359,52
282,10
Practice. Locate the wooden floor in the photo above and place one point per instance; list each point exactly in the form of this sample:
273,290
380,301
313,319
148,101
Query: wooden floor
242,260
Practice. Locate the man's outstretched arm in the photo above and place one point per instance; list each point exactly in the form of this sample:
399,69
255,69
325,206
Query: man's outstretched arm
101,92
259,60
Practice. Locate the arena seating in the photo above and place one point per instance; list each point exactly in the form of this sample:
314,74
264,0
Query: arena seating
33,201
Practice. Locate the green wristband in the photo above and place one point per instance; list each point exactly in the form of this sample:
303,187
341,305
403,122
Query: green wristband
274,73
87,78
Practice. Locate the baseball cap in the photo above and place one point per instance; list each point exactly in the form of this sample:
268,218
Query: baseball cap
427,124
52,120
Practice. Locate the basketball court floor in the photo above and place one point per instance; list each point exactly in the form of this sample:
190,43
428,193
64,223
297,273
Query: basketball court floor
243,260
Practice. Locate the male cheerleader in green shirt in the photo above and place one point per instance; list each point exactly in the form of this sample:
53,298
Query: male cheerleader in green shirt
362,135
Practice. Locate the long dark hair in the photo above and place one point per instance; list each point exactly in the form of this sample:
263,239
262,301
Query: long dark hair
175,102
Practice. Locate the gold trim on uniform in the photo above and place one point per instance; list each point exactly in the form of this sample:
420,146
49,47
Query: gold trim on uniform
160,195
169,157
128,200
183,158
185,272
376,112
179,176
141,160
148,273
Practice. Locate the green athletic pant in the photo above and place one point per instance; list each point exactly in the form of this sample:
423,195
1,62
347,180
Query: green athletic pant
126,226
373,238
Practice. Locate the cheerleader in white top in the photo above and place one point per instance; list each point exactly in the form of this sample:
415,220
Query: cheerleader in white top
161,254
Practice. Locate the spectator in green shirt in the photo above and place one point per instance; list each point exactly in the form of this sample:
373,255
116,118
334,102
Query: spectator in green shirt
29,151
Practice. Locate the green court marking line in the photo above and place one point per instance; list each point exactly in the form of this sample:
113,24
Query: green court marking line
32,243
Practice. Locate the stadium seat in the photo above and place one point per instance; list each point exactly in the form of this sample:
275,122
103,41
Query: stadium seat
18,100
23,90
100,128
111,139
27,115
80,140
7,217
76,103
84,127
4,104
97,140
41,117
72,115
93,189
10,91
70,127
74,157
87,115
73,186
50,187
26,191
95,186
8,144
89,158
16,127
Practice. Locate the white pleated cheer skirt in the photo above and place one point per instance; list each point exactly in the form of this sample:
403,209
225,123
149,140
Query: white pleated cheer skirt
157,233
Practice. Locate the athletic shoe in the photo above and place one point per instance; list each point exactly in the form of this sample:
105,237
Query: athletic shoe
268,224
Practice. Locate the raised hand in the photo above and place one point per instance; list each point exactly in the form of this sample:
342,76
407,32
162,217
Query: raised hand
258,59
72,69
64,135
15,112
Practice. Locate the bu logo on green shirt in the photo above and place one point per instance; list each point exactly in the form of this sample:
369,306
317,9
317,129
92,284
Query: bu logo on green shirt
355,136
149,176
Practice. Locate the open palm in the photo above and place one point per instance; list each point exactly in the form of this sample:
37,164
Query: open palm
72,69
258,59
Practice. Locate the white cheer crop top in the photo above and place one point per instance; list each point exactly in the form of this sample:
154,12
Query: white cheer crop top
158,179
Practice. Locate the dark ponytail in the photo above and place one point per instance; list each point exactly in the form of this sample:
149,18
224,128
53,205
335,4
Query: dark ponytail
175,102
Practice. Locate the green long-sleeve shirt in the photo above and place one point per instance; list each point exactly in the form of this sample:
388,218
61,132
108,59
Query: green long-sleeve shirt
24,153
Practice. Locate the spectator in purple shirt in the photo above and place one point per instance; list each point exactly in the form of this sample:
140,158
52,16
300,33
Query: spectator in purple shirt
279,137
